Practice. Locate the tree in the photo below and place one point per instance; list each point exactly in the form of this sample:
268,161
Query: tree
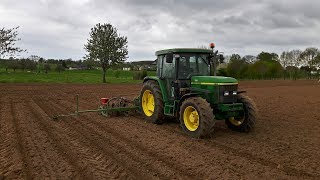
46,67
36,59
106,46
89,64
8,39
310,58
59,67
249,59
31,65
294,61
237,66
265,56
23,64
13,63
285,60
64,65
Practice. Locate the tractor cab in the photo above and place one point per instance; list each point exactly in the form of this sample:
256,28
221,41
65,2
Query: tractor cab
177,66
183,63
183,68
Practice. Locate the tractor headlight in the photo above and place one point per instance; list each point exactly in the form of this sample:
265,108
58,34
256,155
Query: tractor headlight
226,93
234,93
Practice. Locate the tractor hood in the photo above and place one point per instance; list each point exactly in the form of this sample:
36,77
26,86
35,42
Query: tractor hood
213,80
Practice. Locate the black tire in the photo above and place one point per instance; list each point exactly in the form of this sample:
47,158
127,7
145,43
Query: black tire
249,114
158,115
206,117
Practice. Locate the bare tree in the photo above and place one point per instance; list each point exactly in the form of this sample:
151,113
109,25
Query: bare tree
37,59
8,39
309,58
46,67
250,58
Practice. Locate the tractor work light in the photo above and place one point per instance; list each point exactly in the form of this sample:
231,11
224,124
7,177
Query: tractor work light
234,93
226,93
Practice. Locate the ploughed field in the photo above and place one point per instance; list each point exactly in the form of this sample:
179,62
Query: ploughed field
285,143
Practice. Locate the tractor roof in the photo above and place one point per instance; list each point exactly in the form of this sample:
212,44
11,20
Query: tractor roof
183,50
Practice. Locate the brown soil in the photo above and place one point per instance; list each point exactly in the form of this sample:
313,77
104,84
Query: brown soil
284,145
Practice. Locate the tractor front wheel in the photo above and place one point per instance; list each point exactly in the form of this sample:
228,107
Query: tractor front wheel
151,102
196,117
246,121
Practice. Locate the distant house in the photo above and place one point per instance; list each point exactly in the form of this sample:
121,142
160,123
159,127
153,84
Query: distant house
78,67
73,68
149,65
126,69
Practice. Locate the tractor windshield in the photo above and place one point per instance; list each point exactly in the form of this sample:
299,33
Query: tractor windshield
191,64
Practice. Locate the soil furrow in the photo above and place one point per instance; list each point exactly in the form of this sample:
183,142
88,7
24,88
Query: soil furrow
132,150
88,161
284,145
11,165
203,146
119,133
87,140
20,146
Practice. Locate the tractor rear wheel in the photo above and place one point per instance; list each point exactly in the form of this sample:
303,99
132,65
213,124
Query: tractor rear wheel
196,117
151,102
246,121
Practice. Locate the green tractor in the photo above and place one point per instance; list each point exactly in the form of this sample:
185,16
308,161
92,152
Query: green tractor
185,89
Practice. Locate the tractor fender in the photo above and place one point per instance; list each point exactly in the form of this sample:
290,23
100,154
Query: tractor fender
161,85
188,95
240,92
184,97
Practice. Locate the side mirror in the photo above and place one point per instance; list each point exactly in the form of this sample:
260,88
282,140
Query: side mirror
221,58
169,58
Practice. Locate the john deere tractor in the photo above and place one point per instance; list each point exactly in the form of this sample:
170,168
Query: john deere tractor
184,88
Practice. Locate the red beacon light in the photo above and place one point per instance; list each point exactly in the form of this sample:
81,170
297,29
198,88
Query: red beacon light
104,100
212,45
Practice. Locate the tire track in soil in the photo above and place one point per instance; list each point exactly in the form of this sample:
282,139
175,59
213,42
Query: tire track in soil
11,163
155,162
90,163
204,144
116,165
24,168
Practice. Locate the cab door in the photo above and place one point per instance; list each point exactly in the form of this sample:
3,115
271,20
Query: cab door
167,72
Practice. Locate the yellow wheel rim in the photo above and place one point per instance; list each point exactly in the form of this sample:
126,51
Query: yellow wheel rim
148,103
191,118
236,121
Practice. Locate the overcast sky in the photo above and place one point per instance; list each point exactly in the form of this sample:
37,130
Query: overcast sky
60,28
